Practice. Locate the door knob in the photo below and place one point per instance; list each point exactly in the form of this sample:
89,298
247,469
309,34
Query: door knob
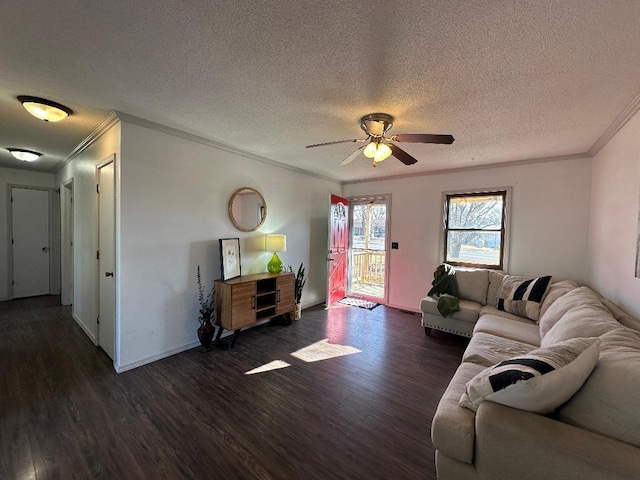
45,249
108,274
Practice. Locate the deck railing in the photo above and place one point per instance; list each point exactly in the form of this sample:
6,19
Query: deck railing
367,266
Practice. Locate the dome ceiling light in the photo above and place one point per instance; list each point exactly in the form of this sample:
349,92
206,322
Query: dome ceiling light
45,109
25,155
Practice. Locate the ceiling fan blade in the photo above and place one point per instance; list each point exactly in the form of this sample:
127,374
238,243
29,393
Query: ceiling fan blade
401,155
423,138
351,157
335,143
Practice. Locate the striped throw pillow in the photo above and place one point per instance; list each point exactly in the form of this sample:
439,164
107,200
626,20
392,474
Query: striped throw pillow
522,296
538,382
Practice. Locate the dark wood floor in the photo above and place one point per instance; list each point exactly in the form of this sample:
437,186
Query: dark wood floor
64,412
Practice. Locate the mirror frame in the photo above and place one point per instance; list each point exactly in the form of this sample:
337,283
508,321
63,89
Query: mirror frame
233,220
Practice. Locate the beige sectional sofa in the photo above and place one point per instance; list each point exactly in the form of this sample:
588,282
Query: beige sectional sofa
595,434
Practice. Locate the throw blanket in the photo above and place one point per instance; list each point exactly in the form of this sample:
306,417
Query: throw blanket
445,289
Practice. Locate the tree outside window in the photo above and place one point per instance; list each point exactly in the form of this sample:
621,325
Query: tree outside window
475,229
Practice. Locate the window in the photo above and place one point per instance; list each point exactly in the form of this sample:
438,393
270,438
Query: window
474,232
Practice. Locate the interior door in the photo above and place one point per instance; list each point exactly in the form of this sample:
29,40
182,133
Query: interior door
30,236
106,238
338,249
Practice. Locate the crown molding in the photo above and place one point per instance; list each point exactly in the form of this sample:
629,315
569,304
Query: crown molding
515,163
218,145
109,120
619,122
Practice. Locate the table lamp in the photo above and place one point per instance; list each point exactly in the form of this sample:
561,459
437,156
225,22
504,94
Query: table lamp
275,243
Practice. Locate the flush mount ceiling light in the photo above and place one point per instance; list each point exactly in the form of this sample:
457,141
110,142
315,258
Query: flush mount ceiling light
44,109
24,155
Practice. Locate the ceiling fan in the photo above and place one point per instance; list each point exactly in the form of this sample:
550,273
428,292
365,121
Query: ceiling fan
379,147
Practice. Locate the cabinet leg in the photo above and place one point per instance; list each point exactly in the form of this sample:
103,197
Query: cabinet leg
218,335
427,331
236,334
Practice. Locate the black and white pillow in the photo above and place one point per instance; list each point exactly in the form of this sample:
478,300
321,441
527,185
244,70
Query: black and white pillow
522,296
538,382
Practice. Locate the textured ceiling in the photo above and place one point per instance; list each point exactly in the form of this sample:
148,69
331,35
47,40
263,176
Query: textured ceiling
511,80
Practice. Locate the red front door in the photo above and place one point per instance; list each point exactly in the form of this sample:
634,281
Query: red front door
338,249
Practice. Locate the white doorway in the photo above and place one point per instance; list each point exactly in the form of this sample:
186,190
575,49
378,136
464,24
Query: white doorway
106,257
66,243
30,241
369,248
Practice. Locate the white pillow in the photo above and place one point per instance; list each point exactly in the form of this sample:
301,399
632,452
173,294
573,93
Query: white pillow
522,296
539,381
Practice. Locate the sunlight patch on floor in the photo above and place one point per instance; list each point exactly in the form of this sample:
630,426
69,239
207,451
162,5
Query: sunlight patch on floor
323,350
267,367
315,352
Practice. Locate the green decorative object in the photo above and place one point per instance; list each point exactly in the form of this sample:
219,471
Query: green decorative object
275,264
275,242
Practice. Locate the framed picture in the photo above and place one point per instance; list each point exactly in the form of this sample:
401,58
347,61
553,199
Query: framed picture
230,258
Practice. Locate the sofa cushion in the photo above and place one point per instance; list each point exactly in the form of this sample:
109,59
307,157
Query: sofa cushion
620,315
556,290
574,298
608,401
521,330
453,427
538,382
489,310
473,284
587,320
468,312
522,296
487,350
495,280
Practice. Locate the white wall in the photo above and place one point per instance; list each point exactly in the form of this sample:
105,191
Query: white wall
614,218
82,169
548,224
16,177
174,194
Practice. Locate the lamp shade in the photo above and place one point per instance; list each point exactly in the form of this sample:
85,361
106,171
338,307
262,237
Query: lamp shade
370,150
275,242
382,153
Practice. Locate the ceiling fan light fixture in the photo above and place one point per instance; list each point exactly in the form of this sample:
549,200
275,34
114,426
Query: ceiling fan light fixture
382,153
24,155
370,150
44,109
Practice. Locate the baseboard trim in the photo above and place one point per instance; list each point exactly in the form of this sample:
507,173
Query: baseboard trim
84,328
403,307
153,358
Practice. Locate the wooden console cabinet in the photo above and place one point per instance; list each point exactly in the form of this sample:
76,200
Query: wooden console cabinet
248,299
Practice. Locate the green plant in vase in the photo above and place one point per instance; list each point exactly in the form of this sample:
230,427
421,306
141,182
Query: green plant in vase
207,314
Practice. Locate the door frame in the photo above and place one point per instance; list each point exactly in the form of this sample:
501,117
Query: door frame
360,200
10,187
67,217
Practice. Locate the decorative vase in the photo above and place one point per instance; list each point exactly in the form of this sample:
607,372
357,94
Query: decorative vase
298,313
205,332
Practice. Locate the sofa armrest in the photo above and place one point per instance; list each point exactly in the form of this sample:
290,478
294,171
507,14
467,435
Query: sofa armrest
512,443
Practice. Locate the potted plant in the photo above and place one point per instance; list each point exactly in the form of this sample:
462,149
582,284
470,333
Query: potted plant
207,314
297,293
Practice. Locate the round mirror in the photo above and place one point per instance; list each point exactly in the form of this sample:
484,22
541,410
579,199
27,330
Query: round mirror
247,209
